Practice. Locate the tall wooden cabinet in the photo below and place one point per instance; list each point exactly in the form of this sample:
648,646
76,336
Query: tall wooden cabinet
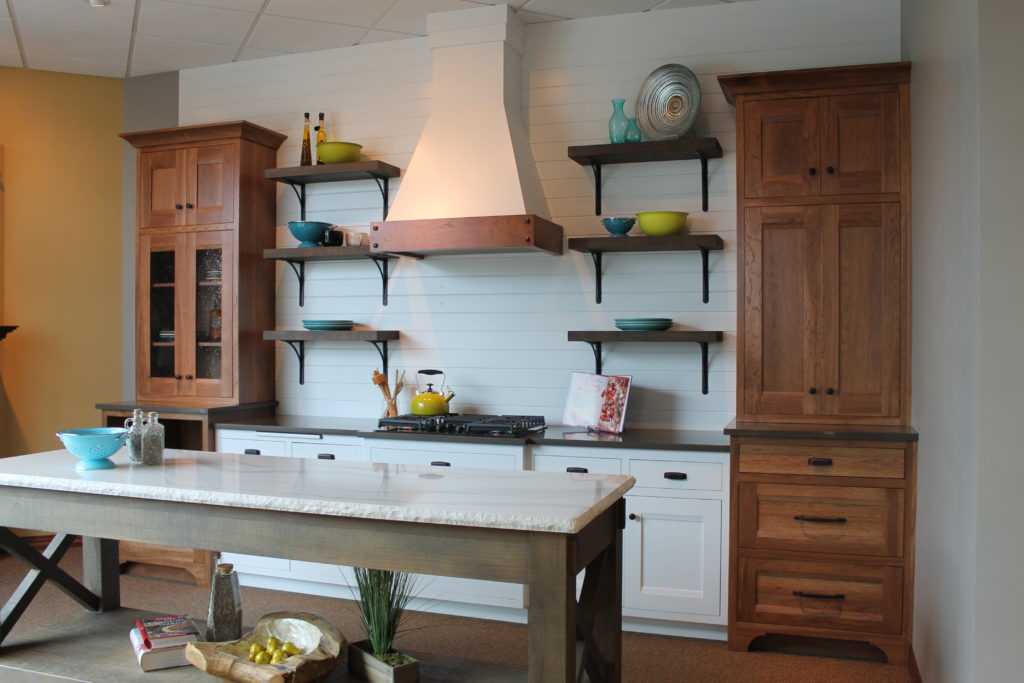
204,292
823,459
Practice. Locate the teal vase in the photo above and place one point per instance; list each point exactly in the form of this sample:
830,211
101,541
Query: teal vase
618,124
633,133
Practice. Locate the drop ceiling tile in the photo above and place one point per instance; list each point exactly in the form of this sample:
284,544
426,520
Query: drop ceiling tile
4,14
299,35
378,36
410,16
8,43
243,5
174,20
42,39
578,9
168,54
85,67
116,17
675,4
351,12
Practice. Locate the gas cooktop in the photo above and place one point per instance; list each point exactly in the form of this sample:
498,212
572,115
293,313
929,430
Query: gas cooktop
469,424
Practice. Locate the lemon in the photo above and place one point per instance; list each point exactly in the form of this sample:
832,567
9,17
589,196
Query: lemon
273,643
291,648
279,656
254,649
262,657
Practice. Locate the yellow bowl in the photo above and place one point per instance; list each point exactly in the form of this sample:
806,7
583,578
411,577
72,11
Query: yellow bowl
660,223
338,152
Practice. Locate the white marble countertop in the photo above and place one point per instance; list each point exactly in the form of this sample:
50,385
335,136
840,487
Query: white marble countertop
532,501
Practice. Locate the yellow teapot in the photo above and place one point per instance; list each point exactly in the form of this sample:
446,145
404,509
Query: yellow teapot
427,401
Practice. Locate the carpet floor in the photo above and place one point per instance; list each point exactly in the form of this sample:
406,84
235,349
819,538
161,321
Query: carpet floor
646,658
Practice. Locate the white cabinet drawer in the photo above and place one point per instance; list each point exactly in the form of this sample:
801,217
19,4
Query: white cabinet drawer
675,475
582,464
276,447
341,448
444,459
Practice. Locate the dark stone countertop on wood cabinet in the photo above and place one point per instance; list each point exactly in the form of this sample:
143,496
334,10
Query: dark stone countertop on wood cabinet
812,431
553,435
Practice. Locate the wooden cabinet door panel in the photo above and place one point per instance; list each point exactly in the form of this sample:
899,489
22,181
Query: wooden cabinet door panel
210,356
864,275
817,594
860,145
825,519
158,323
210,192
781,267
782,147
161,180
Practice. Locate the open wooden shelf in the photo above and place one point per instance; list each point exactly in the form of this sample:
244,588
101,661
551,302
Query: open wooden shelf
297,257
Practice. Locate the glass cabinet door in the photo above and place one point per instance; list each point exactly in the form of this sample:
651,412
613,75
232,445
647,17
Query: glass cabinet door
212,303
159,325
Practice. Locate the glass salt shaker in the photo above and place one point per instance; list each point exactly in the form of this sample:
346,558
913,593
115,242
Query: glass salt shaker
135,425
225,617
153,441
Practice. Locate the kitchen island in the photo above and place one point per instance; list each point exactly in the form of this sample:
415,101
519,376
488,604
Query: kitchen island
534,528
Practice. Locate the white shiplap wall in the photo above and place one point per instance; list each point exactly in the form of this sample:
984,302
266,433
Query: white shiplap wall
497,324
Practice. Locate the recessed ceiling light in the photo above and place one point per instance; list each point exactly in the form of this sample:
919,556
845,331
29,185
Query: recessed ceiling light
98,3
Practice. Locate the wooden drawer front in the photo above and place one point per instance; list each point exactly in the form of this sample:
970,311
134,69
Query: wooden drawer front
826,519
820,595
824,461
671,475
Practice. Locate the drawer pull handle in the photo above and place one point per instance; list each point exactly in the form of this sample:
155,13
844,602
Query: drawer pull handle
822,520
632,515
820,596
577,470
676,476
252,451
325,456
440,463
820,462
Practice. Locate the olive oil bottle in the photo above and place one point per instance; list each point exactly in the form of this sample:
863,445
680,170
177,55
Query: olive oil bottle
307,152
321,136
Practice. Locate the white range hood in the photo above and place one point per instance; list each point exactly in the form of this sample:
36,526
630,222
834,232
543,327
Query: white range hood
473,160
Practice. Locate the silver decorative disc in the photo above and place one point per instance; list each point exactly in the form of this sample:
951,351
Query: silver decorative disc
668,102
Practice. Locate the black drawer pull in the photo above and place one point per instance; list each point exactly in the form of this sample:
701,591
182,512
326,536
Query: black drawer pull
820,462
820,596
675,476
440,463
632,515
325,456
577,470
252,451
823,520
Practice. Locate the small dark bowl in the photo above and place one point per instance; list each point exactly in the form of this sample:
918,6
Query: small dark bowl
618,227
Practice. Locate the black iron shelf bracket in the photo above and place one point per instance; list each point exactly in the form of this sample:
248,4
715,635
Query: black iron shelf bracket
383,187
300,193
703,367
597,188
382,268
597,257
595,346
704,267
299,347
299,267
704,183
382,349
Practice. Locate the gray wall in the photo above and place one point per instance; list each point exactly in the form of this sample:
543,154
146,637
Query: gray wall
150,102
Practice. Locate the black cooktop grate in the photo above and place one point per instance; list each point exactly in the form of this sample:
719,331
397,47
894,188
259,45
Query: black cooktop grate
469,424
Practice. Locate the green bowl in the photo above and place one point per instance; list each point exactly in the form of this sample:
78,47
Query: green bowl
661,223
338,152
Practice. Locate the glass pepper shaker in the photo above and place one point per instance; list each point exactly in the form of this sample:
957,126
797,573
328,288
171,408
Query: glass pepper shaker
153,441
225,618
135,425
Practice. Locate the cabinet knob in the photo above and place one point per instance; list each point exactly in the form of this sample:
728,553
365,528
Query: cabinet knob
188,205
830,391
188,377
812,390
812,171
632,515
440,463
577,470
177,206
177,377
830,170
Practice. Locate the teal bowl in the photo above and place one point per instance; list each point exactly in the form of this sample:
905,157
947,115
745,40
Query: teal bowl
618,227
93,446
661,223
309,233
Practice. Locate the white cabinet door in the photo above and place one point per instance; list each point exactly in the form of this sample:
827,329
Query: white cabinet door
672,550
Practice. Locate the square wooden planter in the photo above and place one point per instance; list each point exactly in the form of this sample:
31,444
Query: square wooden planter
362,663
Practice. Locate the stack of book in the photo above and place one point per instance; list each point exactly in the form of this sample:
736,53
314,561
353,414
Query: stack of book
159,642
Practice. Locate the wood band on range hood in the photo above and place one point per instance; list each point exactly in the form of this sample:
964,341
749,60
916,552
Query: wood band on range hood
470,235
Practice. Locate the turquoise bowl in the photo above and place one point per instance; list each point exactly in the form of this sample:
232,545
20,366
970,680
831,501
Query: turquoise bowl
618,227
93,446
309,233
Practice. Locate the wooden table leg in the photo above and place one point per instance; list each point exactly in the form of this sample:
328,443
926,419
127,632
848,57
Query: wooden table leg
600,614
101,572
551,617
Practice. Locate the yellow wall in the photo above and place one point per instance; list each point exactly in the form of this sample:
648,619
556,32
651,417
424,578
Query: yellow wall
61,256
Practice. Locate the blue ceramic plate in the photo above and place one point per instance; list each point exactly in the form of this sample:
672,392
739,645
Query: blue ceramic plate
644,327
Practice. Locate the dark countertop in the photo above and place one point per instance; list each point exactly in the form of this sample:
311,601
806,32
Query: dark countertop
553,435
810,431
189,410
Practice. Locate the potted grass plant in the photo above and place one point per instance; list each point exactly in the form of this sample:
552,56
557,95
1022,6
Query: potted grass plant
383,596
